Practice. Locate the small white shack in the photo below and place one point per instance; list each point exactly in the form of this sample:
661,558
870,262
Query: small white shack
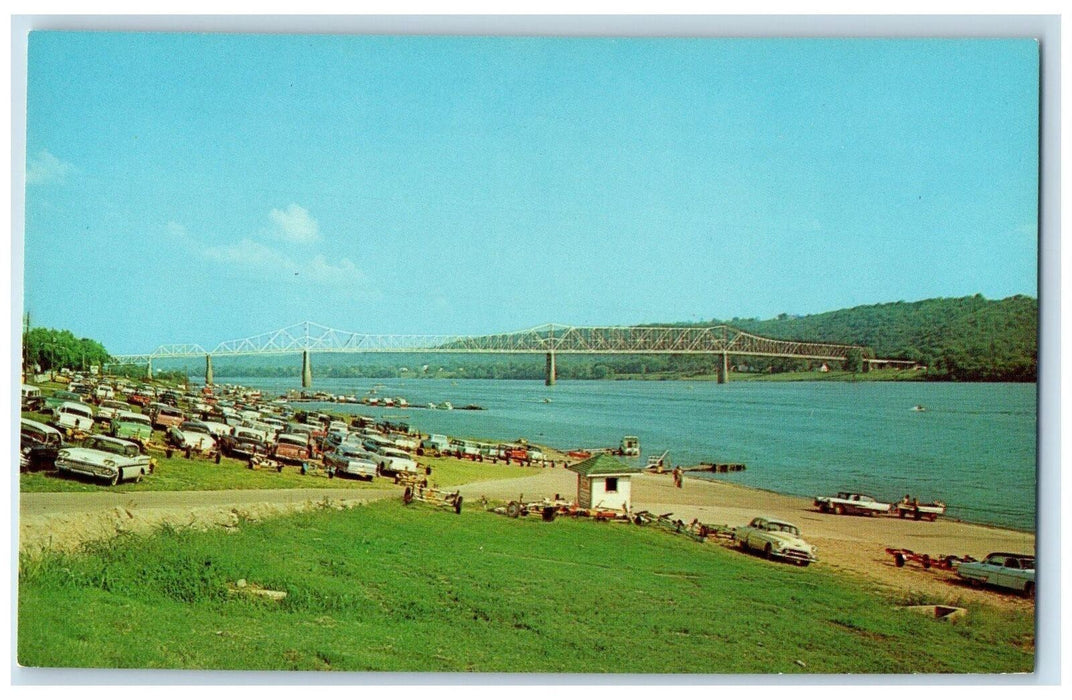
604,482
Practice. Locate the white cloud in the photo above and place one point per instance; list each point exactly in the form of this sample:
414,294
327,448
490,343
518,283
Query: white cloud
250,255
293,224
342,273
176,229
254,257
45,167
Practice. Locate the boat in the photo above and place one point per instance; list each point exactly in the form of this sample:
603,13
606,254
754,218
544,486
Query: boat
918,511
630,446
919,408
658,463
446,406
851,504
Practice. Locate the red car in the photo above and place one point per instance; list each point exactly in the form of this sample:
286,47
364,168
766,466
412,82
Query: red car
291,448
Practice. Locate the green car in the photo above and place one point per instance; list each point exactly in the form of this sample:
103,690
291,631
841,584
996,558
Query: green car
133,426
60,397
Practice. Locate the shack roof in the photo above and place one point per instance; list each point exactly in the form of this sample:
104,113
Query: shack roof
603,465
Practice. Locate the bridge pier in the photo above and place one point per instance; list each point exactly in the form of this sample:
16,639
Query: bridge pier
724,369
208,370
549,377
306,370
149,369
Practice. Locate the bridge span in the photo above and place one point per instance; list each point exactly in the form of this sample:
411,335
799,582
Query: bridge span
548,340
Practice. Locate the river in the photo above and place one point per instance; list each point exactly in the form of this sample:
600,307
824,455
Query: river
974,447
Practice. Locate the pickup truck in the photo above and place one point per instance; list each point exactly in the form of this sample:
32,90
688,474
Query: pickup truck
851,504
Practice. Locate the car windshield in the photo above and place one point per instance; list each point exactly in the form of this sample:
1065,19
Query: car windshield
117,448
287,440
76,410
134,418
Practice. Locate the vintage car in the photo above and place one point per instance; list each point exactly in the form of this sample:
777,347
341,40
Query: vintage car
109,408
217,429
193,435
31,398
140,397
436,443
352,461
106,458
60,397
133,426
244,443
165,416
71,415
38,445
103,391
851,504
291,448
777,539
1003,570
403,442
392,461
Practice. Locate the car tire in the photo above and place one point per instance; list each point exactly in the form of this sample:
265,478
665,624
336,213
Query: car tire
768,552
458,506
138,477
899,560
513,509
113,479
838,509
407,496
1029,589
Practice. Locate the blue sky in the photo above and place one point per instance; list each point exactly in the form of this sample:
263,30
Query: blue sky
199,188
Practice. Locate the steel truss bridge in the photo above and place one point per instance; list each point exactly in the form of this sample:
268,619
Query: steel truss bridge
549,340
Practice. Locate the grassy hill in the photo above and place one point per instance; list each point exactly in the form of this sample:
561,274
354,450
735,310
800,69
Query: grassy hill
390,588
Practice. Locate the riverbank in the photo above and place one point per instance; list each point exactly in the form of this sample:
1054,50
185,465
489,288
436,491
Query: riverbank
853,545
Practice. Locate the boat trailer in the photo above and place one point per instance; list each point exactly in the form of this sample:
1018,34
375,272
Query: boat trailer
551,508
432,496
945,562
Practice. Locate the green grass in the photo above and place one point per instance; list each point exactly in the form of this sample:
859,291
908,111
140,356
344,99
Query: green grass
177,473
392,588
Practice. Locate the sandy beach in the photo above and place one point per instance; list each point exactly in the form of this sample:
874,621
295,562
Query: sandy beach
854,545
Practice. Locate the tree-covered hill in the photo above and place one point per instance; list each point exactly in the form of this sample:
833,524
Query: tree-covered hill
967,338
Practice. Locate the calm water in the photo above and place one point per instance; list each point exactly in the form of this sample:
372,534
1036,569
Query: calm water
973,448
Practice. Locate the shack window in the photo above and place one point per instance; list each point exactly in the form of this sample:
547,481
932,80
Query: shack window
612,484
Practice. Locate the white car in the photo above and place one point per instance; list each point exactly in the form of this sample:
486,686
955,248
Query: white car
110,408
777,539
107,458
404,442
350,460
1001,569
74,416
393,461
194,435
